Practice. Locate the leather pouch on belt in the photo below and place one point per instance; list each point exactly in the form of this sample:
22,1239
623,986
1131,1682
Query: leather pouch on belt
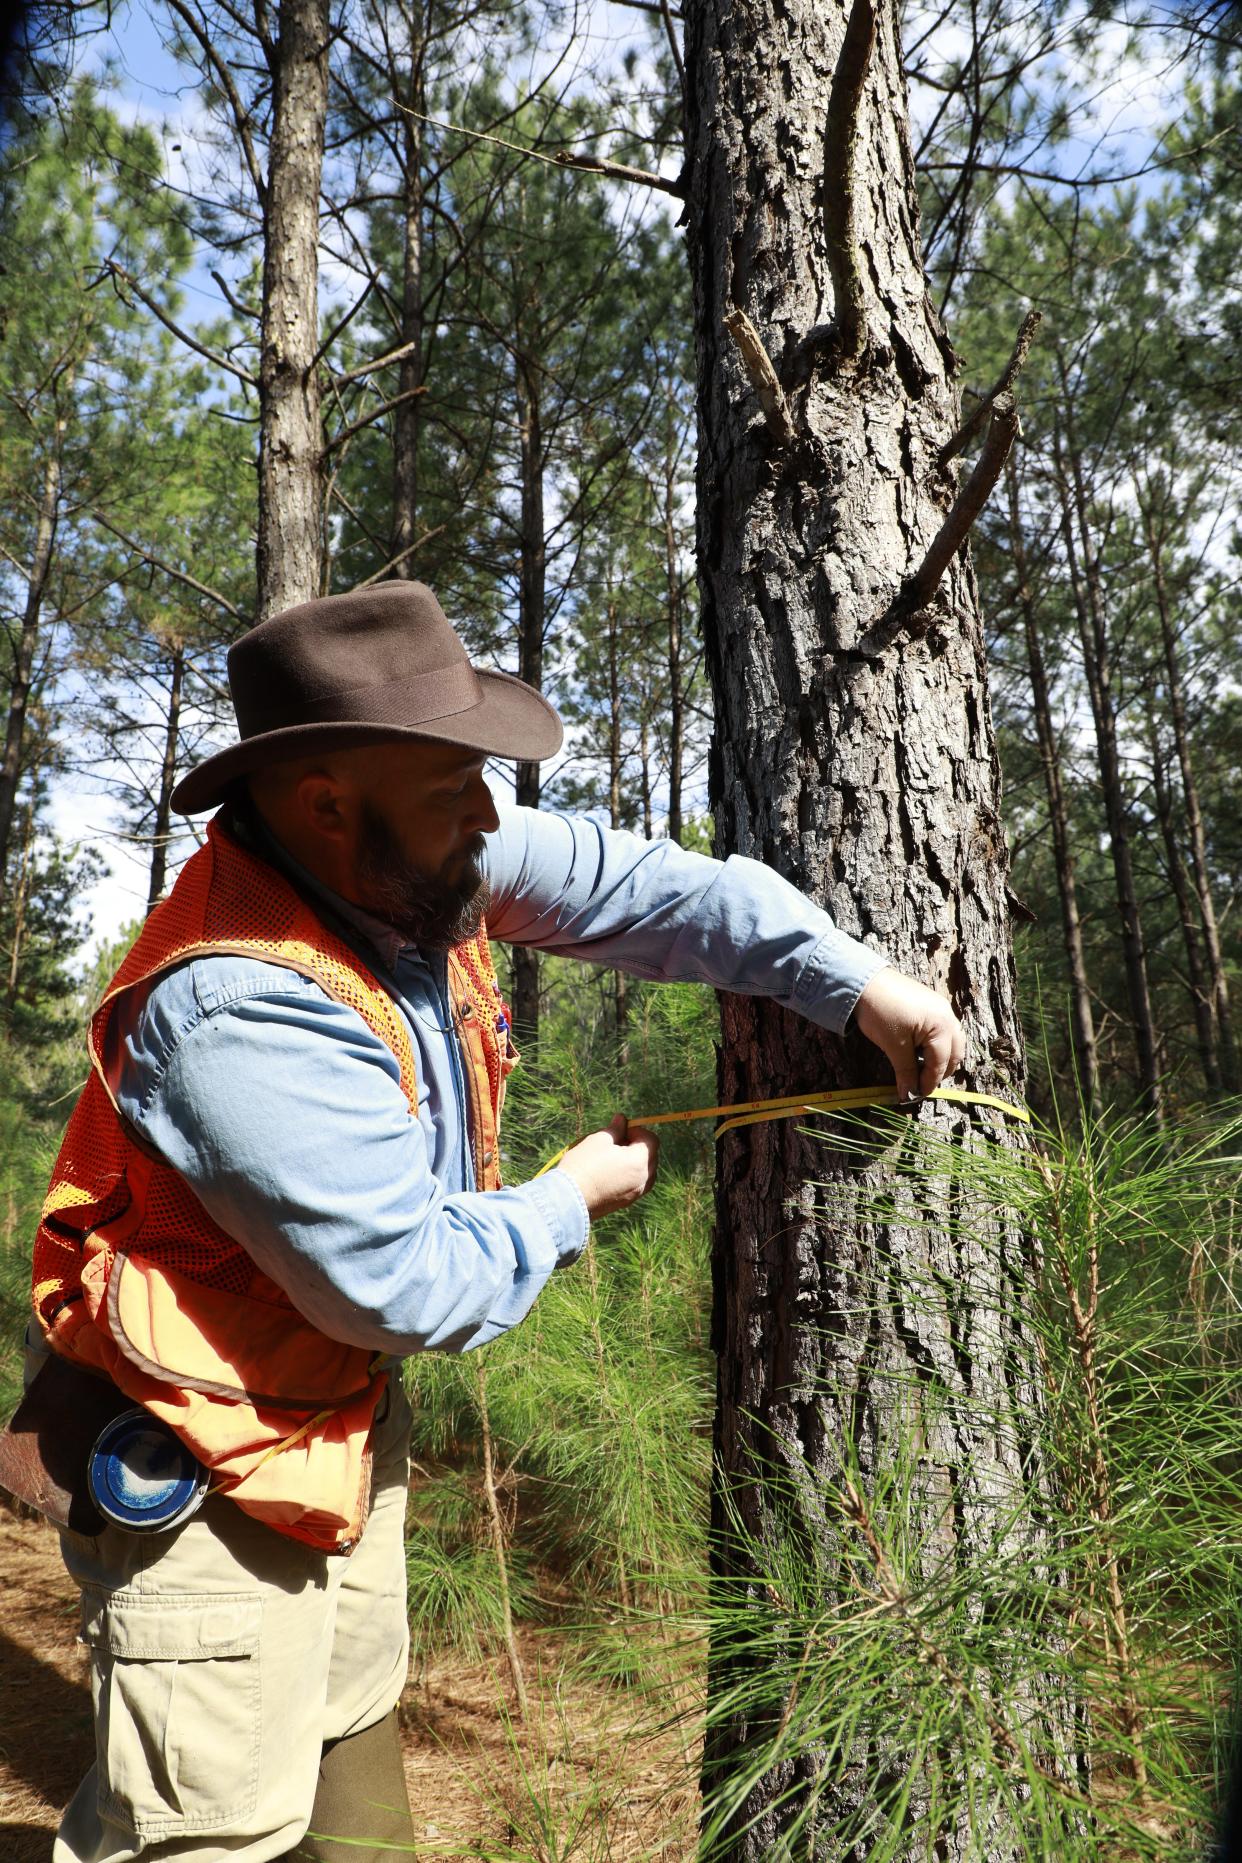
45,1449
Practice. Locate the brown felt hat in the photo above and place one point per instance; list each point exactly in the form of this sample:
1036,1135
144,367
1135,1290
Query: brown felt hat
353,669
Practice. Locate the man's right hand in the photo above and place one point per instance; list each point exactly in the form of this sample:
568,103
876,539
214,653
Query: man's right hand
613,1168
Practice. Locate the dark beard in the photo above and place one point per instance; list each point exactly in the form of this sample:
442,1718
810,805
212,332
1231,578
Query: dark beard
426,908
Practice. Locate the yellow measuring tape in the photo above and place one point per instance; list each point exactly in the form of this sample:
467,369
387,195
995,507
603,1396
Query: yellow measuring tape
788,1106
740,1113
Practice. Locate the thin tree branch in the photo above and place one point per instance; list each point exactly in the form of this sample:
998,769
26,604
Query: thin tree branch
224,78
243,310
369,368
178,575
1002,432
337,328
368,420
666,12
1004,383
763,377
183,336
839,192
400,557
563,158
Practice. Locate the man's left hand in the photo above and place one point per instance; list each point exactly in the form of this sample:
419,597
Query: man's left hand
905,1019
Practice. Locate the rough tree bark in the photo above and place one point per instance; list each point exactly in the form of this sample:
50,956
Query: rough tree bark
1082,1018
290,540
854,753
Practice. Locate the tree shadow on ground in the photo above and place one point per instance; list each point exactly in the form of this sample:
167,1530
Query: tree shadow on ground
47,1742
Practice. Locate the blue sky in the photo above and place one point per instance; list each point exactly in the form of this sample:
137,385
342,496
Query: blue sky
1114,134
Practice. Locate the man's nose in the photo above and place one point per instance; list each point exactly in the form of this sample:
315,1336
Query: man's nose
482,817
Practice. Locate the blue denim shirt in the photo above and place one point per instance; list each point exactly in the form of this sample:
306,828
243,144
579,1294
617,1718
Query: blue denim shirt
286,1114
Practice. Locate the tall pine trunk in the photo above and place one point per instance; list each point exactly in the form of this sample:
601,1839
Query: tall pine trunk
676,689
1086,1054
168,778
1194,811
407,415
854,753
21,674
1196,977
620,989
1083,558
290,542
532,568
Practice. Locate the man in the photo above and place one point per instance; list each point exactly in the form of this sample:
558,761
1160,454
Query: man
283,1176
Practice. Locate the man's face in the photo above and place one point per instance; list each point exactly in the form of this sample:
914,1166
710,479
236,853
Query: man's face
421,814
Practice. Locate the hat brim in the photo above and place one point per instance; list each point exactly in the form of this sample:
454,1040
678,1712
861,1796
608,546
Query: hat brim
510,720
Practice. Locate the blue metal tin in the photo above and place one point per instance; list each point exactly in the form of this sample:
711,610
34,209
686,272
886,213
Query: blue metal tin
141,1476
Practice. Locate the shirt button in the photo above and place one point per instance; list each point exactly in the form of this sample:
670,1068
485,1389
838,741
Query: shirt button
466,1011
487,1157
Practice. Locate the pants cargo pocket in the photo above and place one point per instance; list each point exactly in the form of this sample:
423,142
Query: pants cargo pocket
176,1688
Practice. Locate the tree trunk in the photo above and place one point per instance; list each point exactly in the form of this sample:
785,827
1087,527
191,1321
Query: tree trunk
854,753
1082,1019
407,415
168,777
676,698
290,543
531,597
1194,813
644,765
21,900
1097,664
620,998
1196,979
22,676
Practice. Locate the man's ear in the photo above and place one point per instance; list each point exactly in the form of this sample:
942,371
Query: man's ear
322,805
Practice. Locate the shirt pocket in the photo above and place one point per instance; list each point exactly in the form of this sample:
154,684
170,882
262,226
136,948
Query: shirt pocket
175,1684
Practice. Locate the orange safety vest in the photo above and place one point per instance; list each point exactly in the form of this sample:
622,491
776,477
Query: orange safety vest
132,1277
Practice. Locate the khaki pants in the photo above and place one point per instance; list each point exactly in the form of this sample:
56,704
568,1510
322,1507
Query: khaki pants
223,1656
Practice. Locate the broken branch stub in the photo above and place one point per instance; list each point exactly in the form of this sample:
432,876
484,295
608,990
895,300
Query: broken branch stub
1002,432
959,441
763,377
839,191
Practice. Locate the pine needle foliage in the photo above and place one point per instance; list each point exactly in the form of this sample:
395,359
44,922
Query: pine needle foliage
599,1405
925,1666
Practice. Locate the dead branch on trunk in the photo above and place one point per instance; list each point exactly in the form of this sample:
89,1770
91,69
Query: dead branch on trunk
840,163
1002,432
763,377
1008,376
620,171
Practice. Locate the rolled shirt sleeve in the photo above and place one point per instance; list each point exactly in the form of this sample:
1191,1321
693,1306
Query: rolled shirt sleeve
577,889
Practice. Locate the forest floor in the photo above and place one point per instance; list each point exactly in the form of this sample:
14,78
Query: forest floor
591,1778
